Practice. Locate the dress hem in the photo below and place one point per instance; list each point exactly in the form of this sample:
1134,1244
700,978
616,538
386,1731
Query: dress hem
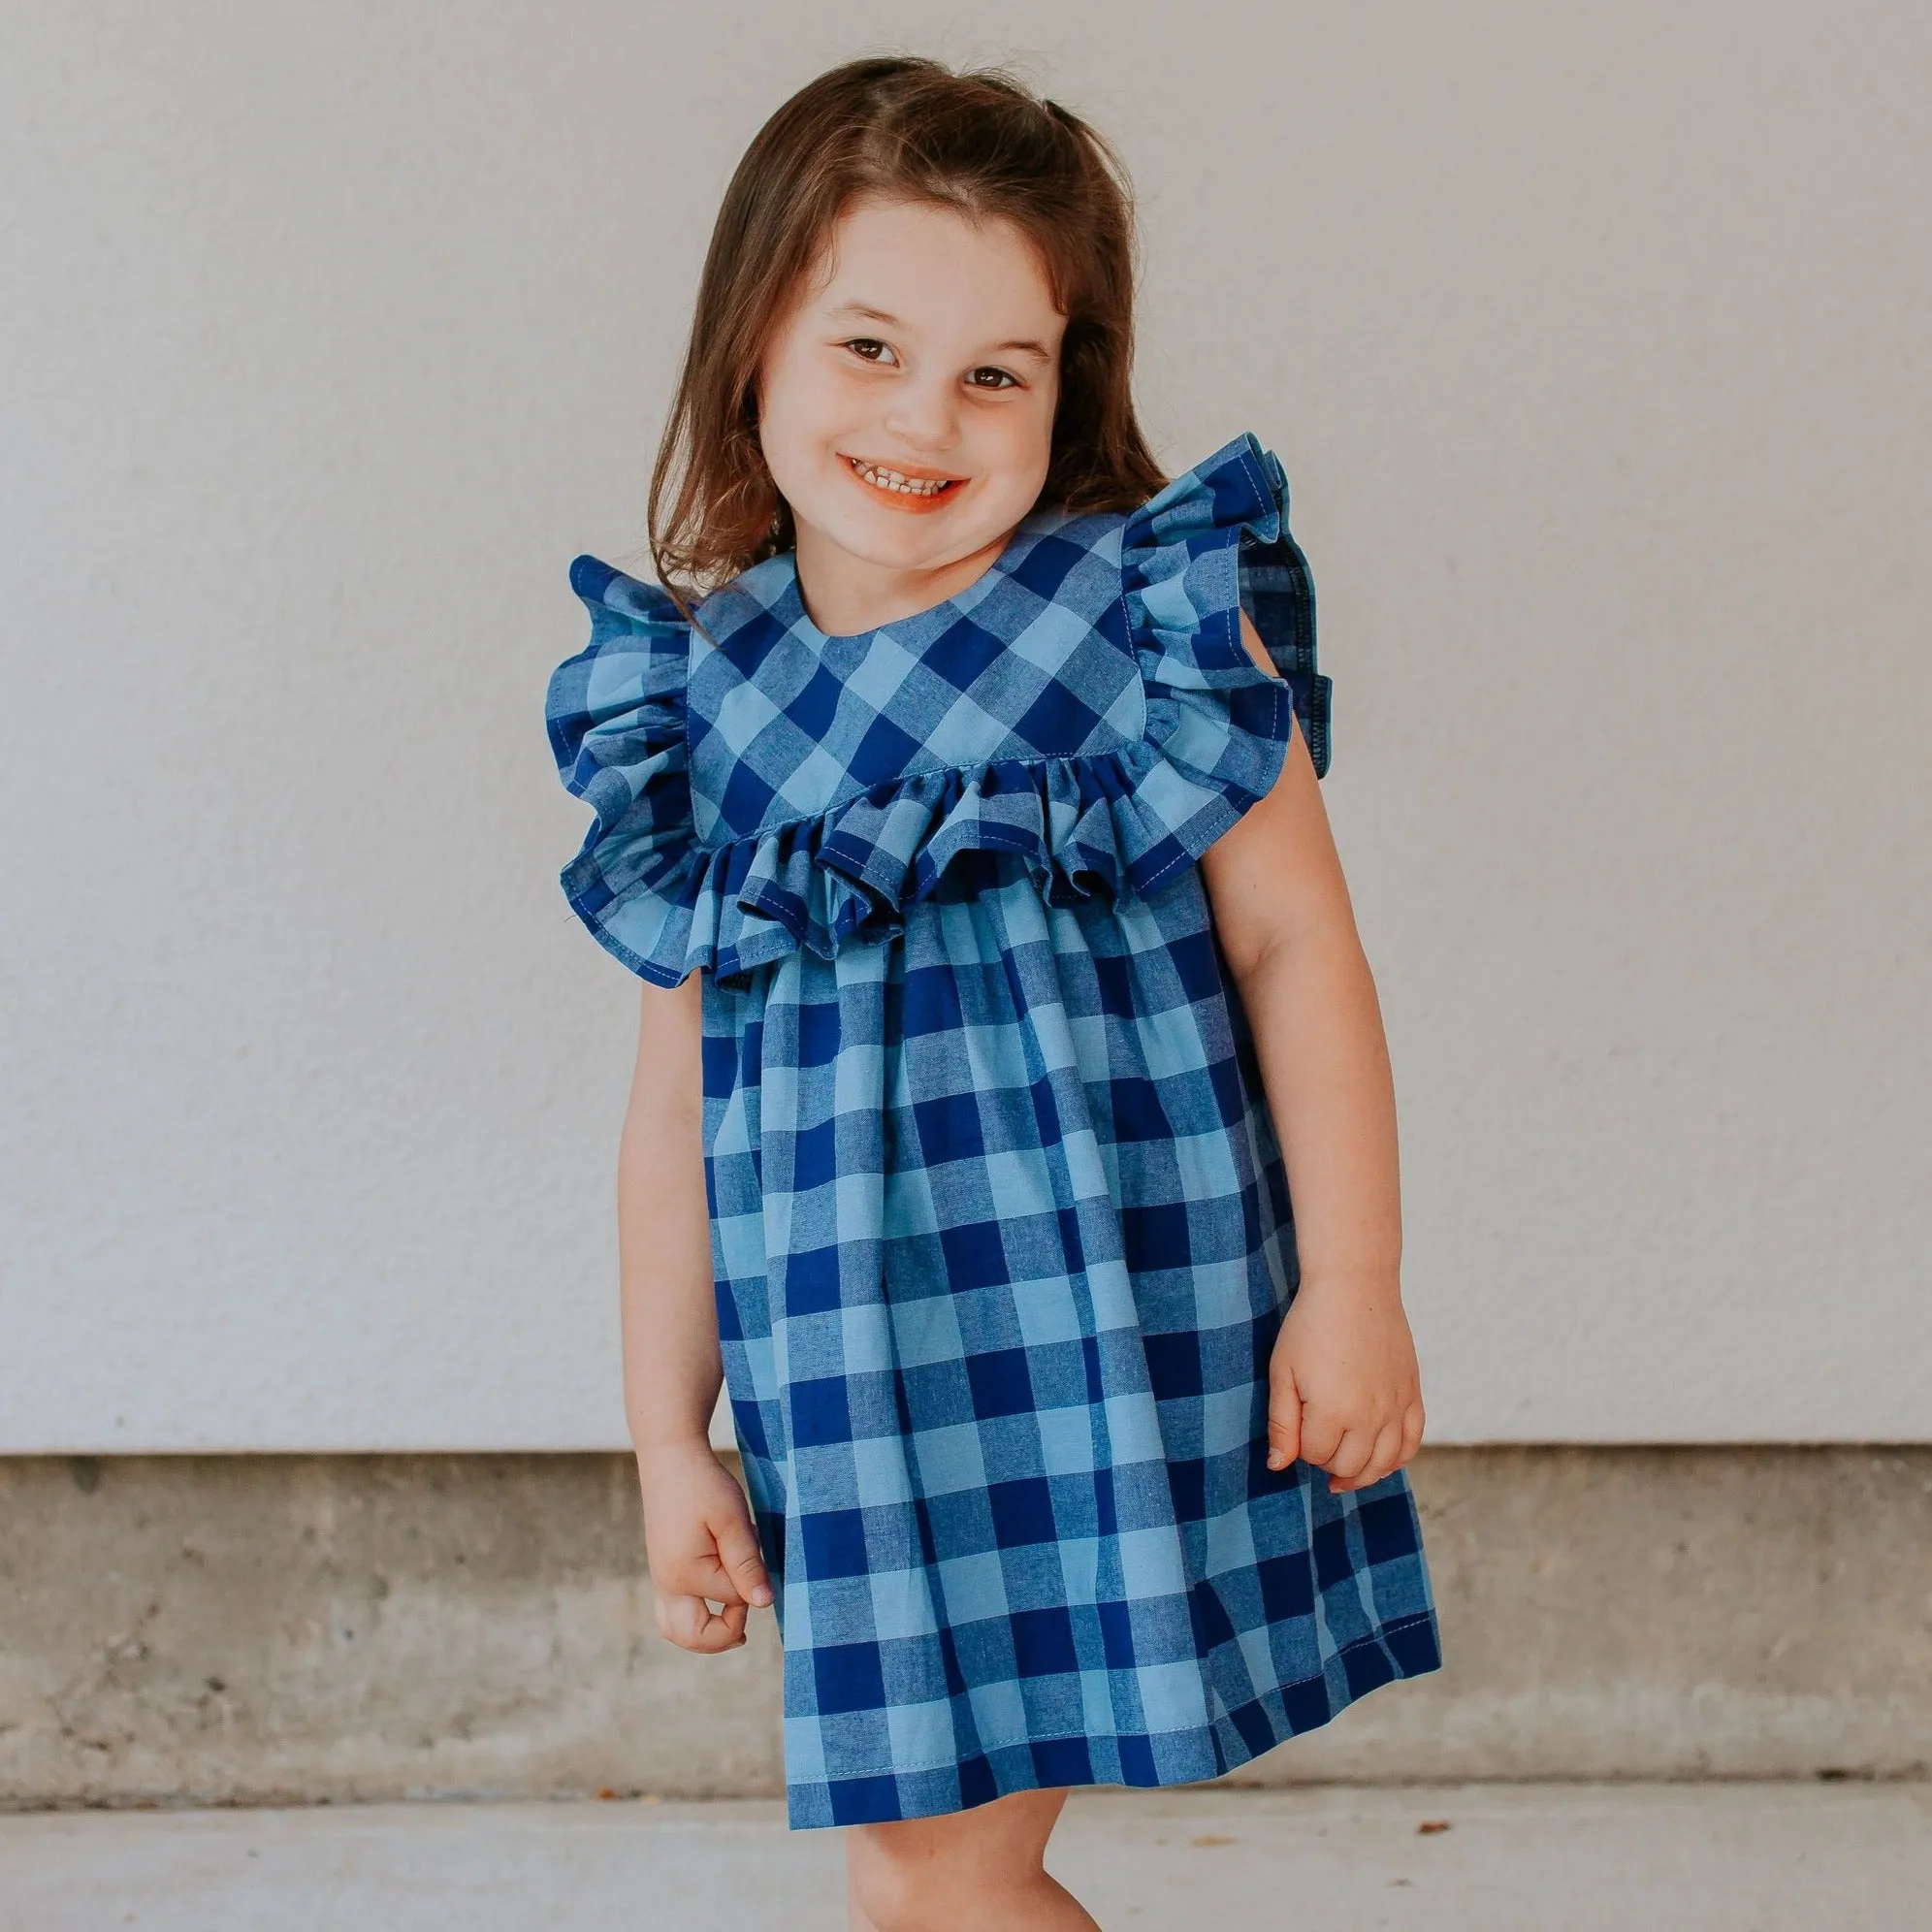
1258,1727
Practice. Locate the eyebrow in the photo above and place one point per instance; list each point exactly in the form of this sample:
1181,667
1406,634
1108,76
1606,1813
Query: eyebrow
1024,346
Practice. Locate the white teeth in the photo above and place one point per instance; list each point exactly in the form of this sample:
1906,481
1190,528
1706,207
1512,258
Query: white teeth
891,479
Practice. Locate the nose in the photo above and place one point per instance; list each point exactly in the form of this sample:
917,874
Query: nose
923,413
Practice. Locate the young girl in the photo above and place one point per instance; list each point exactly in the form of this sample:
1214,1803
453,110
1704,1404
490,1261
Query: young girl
958,810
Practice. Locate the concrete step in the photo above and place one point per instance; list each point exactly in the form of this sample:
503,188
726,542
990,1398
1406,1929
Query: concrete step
286,1629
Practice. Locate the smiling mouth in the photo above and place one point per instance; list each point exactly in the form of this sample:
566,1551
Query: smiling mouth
901,486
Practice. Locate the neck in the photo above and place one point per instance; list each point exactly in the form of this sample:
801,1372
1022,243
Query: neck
845,593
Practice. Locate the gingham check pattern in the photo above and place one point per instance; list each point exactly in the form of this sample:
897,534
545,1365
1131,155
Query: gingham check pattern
1001,1230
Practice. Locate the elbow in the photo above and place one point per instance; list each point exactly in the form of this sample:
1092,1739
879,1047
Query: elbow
1293,947
1253,957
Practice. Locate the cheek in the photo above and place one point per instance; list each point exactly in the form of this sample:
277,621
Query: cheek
784,425
805,409
1033,431
1049,394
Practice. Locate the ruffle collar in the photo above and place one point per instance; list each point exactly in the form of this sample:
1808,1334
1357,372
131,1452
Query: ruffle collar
1086,829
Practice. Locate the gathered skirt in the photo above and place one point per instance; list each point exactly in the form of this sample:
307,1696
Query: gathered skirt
1002,1239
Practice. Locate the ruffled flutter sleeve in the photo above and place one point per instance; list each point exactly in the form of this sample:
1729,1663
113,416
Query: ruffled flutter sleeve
1215,542
616,719
1090,825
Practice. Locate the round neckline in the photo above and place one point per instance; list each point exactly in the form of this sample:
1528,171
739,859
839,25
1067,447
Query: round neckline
913,620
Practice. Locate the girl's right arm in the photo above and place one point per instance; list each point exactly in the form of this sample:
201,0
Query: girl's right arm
697,1532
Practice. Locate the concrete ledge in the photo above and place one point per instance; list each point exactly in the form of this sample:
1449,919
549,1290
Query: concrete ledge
259,1629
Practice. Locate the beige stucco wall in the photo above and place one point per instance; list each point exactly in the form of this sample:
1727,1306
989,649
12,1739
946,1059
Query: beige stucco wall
1593,340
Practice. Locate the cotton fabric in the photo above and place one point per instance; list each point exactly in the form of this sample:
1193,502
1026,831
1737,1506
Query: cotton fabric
1001,1230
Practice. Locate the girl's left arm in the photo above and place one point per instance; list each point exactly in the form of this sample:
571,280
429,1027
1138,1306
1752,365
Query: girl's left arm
1344,1390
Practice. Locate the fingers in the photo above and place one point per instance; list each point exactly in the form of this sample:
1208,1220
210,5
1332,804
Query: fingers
738,1555
1350,1455
1284,1414
723,1568
706,1576
691,1623
1396,1444
1322,1436
1364,1458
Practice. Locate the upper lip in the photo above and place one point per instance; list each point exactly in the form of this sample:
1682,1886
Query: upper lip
912,471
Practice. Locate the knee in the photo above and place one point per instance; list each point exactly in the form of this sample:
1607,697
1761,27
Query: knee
925,1875
896,1892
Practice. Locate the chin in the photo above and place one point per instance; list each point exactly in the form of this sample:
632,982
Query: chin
925,545
894,539
889,535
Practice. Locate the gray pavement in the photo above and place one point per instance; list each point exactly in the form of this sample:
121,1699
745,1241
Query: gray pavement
1763,1857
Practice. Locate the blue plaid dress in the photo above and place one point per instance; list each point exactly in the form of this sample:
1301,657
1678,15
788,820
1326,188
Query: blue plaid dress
1000,1224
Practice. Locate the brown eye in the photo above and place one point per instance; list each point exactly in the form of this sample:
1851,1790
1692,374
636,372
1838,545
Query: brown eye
870,349
1001,380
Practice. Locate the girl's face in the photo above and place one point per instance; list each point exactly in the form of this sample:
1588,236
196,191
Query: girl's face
905,403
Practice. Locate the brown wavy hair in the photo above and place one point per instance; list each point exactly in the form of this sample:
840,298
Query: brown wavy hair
980,144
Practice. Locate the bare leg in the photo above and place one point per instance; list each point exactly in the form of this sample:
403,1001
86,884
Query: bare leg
971,1871
855,1919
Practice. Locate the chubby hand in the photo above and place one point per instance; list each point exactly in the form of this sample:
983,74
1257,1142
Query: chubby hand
1344,1392
701,1547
